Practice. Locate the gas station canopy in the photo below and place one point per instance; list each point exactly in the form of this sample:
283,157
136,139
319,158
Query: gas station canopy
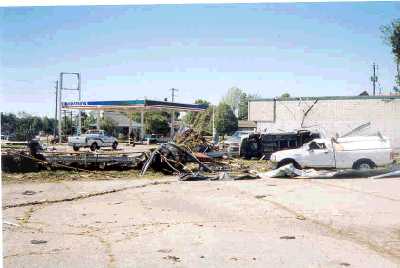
133,105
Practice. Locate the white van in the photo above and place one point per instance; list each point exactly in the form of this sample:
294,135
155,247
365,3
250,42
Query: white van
364,152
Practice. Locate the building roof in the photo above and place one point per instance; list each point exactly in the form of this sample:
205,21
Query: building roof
329,98
133,105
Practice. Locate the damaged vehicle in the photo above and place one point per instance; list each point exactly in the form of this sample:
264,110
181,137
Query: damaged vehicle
361,153
262,145
232,145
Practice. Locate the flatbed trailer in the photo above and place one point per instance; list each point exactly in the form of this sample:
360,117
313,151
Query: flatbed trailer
85,159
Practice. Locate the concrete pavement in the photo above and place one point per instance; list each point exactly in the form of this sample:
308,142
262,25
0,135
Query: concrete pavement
258,223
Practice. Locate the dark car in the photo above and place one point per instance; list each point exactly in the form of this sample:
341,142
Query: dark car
264,144
153,138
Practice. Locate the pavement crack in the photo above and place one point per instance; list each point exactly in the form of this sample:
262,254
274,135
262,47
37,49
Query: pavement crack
82,196
32,253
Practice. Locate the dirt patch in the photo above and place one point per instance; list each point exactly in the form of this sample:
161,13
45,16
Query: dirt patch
64,175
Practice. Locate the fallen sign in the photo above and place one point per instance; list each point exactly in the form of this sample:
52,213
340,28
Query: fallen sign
389,174
222,176
290,171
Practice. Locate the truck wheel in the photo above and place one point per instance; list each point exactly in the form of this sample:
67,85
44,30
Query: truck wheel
364,164
114,145
285,162
76,148
93,147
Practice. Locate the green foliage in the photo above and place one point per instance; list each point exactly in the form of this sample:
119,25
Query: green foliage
8,123
200,121
157,122
232,98
25,126
238,101
88,120
66,125
225,120
203,122
391,35
108,125
191,117
285,95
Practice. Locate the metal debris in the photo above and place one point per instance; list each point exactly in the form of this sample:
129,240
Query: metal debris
287,237
28,192
36,242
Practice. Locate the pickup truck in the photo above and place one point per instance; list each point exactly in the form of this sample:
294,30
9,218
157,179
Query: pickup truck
362,153
93,139
232,144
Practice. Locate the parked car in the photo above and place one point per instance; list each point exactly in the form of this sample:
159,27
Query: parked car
93,139
153,138
232,144
361,153
264,144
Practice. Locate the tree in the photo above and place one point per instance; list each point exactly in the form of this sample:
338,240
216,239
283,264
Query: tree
88,120
157,122
66,125
225,120
391,35
108,125
244,105
232,98
154,121
8,123
190,117
25,126
285,95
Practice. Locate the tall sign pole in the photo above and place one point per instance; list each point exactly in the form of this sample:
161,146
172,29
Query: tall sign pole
79,111
55,116
60,86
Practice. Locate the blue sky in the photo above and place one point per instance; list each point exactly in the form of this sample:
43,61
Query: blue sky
131,52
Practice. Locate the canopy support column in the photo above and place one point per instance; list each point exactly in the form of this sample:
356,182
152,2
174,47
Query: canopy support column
130,128
141,125
98,119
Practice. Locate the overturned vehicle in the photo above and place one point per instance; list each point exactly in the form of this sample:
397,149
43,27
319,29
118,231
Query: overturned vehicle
262,145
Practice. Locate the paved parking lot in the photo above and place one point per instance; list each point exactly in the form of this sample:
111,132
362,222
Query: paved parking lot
167,223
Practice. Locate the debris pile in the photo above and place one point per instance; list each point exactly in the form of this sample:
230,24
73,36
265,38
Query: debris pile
194,141
171,158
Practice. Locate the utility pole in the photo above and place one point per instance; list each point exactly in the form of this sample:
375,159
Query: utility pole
55,116
173,112
374,78
173,93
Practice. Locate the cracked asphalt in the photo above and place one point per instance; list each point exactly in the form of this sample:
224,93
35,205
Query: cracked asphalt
168,223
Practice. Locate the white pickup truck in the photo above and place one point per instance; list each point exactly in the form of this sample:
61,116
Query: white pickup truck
94,139
365,152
